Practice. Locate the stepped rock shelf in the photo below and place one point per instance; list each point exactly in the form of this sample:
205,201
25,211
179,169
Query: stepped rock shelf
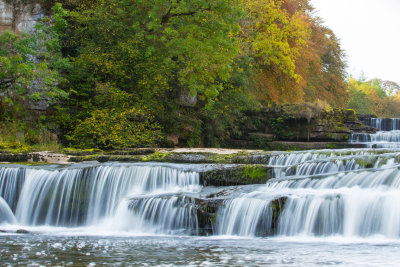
195,199
151,205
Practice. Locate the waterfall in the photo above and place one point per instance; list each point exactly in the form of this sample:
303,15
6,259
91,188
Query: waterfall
350,193
384,124
84,196
388,135
327,161
6,214
245,217
166,214
359,201
11,181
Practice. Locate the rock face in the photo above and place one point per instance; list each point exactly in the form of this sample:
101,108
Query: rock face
35,157
18,15
205,208
326,128
236,175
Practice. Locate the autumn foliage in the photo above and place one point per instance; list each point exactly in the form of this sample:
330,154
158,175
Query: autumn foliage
128,73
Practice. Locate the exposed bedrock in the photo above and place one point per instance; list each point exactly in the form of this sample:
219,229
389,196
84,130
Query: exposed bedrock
203,208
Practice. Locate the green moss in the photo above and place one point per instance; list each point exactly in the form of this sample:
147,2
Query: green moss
254,174
157,156
277,207
366,163
27,163
213,218
106,158
173,157
331,146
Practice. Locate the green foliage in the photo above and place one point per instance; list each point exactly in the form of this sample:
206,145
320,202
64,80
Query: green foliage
360,102
276,36
30,72
110,128
373,97
280,126
33,61
166,44
149,53
24,137
128,73
331,146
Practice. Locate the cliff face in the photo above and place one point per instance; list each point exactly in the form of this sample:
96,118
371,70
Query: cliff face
19,15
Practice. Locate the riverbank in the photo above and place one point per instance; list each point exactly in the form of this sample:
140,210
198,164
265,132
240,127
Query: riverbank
171,155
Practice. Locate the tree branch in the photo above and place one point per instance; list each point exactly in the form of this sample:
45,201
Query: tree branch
165,19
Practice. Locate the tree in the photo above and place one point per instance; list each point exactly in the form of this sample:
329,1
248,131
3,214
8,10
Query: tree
373,97
275,38
156,51
30,64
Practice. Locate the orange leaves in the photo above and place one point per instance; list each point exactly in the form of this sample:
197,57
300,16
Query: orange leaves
298,58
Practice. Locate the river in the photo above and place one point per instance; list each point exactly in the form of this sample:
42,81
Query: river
326,207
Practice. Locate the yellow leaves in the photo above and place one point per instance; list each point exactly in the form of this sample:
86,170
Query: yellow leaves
110,128
278,36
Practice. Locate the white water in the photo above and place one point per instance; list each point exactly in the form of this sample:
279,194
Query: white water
384,124
346,193
326,193
11,180
98,196
245,217
388,135
329,161
6,214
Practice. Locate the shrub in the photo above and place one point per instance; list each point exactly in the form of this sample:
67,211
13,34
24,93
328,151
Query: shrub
113,129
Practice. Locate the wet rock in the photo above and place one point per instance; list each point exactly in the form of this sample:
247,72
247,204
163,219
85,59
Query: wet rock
48,157
22,231
206,209
236,175
203,210
277,206
13,157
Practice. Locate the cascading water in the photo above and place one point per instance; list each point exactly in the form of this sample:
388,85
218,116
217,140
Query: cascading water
171,214
85,212
11,181
327,161
384,124
6,214
351,201
388,135
245,217
88,195
313,193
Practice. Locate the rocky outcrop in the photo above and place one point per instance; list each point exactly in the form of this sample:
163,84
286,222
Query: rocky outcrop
324,129
236,175
19,16
34,157
205,208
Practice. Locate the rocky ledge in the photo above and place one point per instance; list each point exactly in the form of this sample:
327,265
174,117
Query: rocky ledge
205,206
